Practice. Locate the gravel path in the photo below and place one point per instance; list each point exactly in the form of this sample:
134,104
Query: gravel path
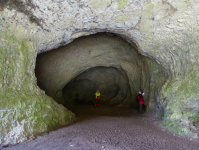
109,129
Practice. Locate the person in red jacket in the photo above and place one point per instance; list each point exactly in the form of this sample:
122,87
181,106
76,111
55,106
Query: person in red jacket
141,102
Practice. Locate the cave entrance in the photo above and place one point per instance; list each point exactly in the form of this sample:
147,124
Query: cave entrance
72,74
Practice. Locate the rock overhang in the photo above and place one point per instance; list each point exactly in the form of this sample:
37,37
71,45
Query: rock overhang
170,39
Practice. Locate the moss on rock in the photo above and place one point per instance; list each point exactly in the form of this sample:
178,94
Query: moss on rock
182,109
122,3
25,110
99,4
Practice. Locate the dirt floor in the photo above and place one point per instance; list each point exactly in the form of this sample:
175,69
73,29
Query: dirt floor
109,129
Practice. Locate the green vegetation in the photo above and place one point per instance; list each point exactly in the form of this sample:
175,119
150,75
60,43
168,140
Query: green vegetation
181,112
122,3
24,109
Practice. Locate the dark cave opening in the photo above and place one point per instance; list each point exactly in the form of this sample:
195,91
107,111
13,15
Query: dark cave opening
73,73
111,82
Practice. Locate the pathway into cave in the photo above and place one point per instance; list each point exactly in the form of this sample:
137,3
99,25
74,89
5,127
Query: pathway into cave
118,129
73,73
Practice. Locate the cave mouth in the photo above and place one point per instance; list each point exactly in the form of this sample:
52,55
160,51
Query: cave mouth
71,74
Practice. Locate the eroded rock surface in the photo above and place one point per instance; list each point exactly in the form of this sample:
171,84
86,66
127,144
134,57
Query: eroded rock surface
165,31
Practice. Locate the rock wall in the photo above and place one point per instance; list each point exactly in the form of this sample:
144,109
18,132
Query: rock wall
25,110
166,31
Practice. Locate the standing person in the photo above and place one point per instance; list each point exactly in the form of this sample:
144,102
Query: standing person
97,99
141,102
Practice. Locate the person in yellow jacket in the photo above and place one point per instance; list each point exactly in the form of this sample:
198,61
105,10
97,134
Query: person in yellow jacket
97,99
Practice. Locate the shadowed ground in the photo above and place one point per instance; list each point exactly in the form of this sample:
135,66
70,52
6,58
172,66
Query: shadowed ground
109,129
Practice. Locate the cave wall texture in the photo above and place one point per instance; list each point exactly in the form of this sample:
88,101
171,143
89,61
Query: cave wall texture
166,31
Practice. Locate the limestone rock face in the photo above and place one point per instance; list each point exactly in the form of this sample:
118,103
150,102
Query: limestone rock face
164,31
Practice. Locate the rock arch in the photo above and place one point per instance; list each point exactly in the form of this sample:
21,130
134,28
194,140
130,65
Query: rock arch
166,32
54,69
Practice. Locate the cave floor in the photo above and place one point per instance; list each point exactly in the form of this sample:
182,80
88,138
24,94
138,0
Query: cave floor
109,129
